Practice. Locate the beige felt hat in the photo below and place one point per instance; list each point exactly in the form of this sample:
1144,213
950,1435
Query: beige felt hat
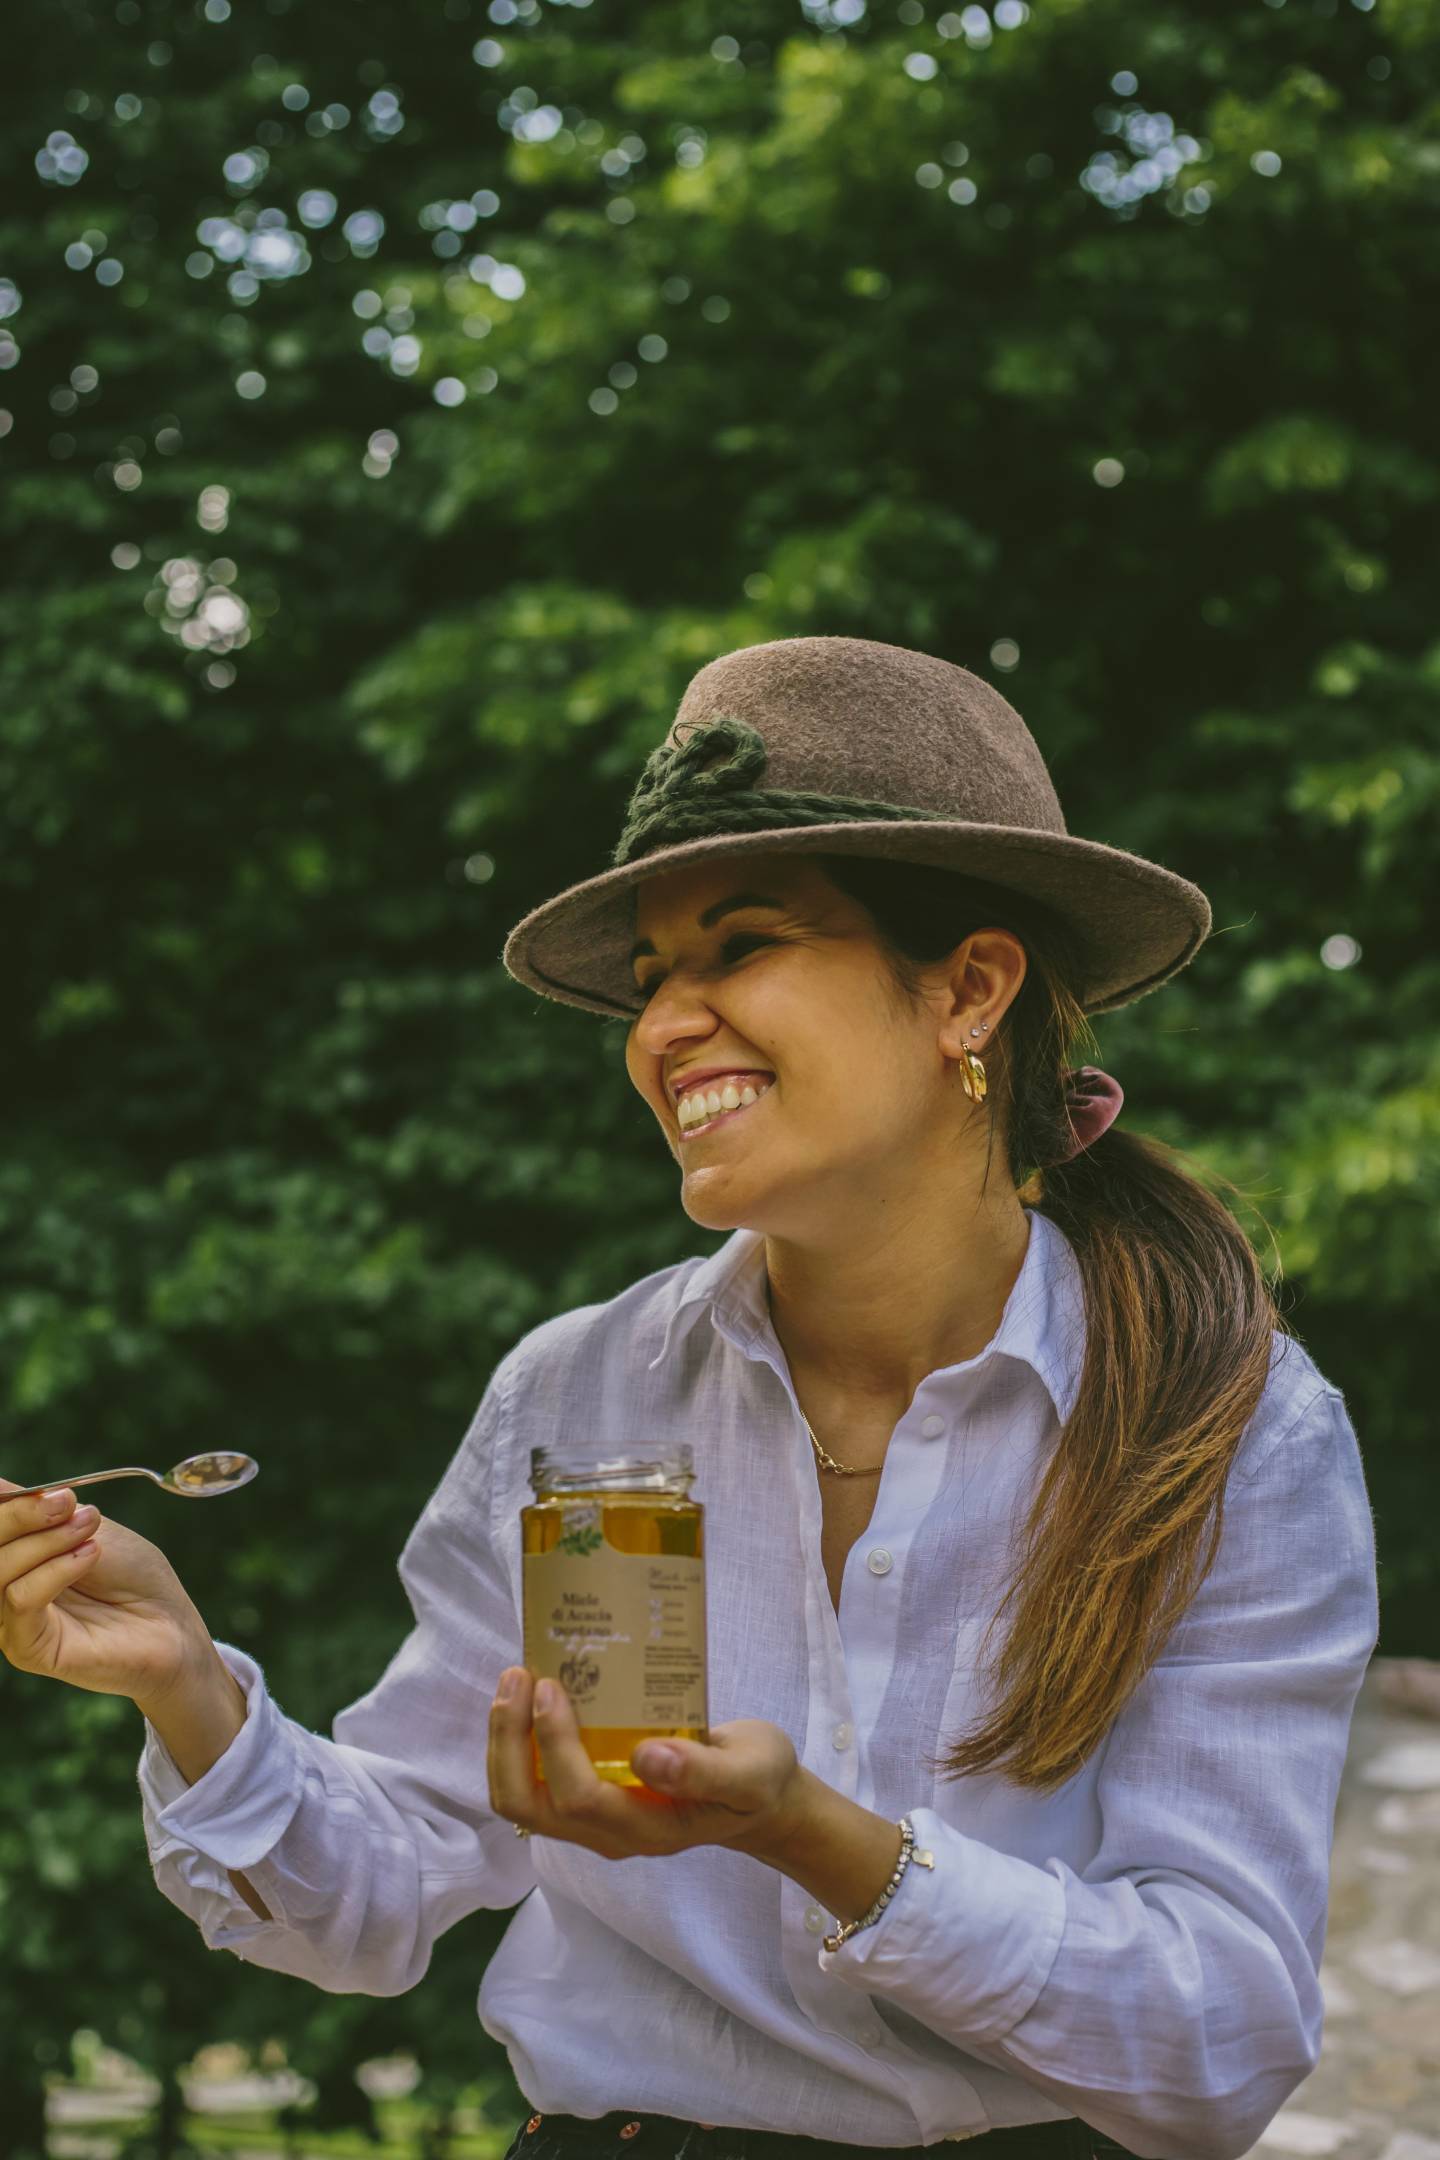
844,746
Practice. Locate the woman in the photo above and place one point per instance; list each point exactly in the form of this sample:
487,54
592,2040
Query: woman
1041,1572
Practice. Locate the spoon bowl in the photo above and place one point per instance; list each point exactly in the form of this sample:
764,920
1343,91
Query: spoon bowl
202,1477
199,1477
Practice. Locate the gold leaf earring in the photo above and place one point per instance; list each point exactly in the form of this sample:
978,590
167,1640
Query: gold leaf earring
972,1074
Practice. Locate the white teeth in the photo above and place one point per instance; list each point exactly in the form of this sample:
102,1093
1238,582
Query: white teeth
703,1103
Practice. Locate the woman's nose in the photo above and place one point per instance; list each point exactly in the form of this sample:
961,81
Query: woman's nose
672,1010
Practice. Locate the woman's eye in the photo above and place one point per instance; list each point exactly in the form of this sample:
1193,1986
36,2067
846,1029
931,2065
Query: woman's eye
741,937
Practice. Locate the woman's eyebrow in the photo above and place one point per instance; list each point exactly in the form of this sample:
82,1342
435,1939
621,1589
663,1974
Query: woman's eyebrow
708,917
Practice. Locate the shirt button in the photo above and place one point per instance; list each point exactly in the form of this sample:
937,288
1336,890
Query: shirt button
814,1920
933,1427
841,1736
879,1562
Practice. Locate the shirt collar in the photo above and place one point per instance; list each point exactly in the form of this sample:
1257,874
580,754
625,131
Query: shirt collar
1043,1323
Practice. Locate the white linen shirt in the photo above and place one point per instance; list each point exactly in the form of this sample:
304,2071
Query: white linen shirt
1139,1947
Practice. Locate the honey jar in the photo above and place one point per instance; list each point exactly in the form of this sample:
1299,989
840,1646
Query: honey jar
613,1561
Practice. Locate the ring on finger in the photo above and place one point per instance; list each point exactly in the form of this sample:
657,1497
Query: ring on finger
521,1831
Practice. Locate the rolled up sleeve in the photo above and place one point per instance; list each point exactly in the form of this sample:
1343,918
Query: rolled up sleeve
366,1846
1169,1994
230,1818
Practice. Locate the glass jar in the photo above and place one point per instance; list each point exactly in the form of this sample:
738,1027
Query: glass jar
613,1563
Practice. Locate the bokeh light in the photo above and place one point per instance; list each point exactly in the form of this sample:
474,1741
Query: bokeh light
364,230
195,603
1155,155
61,161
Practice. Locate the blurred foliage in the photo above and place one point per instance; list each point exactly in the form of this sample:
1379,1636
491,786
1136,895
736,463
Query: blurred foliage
401,402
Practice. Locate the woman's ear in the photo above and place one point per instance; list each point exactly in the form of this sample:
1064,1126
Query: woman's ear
983,979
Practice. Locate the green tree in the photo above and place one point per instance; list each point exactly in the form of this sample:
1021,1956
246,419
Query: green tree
400,405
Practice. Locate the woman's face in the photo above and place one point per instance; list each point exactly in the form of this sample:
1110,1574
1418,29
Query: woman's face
857,1102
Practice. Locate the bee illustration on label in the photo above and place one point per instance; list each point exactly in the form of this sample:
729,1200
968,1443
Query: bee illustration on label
580,1677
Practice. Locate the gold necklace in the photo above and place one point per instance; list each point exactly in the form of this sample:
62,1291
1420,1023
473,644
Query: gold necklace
828,1462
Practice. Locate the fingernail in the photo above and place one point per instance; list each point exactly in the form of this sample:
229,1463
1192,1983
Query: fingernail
507,1685
660,1767
57,1502
547,1695
83,1517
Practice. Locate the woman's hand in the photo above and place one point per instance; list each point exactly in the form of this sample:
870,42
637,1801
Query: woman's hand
91,1603
744,1787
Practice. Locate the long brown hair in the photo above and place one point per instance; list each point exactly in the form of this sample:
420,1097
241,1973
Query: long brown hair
1126,1523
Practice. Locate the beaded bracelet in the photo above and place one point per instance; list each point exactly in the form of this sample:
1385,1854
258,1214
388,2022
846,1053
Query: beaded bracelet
907,1854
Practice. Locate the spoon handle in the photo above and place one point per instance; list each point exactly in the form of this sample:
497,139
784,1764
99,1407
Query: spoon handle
92,1477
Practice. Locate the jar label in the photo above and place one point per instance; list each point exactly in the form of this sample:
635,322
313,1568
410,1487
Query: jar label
623,1633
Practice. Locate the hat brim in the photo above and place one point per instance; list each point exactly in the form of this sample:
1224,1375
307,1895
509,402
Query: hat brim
1136,924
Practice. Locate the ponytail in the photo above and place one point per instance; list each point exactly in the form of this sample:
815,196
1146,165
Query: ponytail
1127,1520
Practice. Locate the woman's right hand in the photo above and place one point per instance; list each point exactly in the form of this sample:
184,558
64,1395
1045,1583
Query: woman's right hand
91,1603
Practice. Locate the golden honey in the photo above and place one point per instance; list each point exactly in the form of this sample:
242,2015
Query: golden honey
613,1567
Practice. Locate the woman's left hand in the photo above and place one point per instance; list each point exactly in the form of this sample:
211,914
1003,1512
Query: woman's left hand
743,1787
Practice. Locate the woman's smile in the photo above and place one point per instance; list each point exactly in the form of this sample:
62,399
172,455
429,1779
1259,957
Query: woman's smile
723,1117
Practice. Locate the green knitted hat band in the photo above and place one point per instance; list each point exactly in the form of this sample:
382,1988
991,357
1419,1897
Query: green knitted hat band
706,784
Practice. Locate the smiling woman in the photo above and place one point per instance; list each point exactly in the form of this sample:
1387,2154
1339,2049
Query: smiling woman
968,1352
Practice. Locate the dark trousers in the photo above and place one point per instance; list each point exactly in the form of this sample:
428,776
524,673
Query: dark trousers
626,2135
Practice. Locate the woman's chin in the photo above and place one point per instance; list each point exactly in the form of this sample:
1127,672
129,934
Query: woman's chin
716,1199
711,1209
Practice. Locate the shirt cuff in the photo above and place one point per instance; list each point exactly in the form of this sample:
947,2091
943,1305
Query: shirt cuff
244,1803
965,1946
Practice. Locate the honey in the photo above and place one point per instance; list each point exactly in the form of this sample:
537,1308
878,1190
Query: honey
613,1562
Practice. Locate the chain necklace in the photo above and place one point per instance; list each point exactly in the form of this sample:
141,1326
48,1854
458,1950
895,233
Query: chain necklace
828,1462
972,1079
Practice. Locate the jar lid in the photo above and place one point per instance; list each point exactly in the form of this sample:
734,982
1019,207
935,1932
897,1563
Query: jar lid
589,1463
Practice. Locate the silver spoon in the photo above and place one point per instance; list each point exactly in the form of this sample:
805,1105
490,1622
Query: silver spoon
199,1477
